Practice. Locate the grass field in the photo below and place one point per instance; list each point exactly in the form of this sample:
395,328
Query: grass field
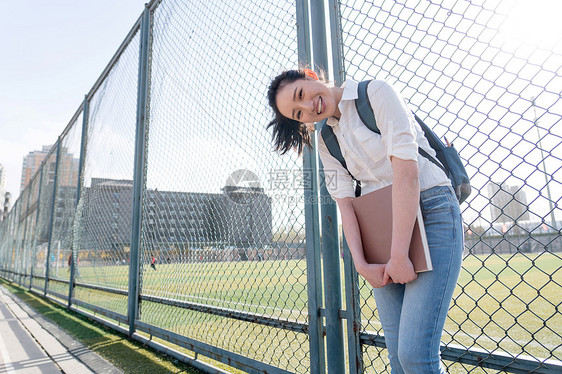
506,303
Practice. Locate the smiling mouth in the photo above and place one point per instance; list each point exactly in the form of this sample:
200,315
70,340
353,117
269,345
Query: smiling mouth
319,106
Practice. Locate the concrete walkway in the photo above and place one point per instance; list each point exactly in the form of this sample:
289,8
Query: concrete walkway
29,344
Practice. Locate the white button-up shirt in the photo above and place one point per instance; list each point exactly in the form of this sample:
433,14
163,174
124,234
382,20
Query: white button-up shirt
366,153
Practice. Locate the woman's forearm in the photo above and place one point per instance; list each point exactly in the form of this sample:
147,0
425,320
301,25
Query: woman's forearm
373,273
405,201
351,231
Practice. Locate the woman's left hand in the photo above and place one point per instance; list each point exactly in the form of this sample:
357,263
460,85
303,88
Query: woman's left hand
400,270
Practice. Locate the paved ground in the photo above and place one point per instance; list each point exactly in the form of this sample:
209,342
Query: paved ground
31,344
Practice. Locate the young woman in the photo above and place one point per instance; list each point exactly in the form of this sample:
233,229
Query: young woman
412,307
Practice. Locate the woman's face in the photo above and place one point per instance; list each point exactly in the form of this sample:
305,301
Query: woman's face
307,101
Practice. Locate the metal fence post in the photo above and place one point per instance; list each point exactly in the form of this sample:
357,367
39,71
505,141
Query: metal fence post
25,233
83,144
36,226
329,216
138,179
14,250
353,305
3,249
52,216
18,245
312,216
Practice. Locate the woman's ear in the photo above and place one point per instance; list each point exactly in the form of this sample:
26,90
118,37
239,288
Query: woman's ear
311,74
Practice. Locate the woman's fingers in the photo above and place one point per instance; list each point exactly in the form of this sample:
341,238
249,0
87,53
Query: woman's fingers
385,278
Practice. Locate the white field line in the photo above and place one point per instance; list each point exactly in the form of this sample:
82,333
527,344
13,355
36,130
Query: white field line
509,340
232,304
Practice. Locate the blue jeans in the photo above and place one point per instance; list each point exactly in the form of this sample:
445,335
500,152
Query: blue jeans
413,314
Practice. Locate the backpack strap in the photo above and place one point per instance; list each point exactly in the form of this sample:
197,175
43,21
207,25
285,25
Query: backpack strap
434,142
332,142
333,146
364,108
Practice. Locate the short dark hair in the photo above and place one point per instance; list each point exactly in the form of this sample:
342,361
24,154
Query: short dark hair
287,133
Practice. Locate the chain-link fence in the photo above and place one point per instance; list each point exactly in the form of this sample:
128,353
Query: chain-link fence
223,245
162,212
492,92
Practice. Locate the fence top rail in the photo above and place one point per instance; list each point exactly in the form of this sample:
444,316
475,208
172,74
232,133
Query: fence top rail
153,4
72,120
115,58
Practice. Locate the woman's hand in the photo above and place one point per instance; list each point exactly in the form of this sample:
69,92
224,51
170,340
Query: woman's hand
399,270
373,274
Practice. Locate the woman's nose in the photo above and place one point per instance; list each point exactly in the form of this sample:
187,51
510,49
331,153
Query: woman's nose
307,106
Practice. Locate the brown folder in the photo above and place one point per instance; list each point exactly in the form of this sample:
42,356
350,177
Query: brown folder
374,215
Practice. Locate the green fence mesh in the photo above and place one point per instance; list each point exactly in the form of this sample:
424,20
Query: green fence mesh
222,247
495,94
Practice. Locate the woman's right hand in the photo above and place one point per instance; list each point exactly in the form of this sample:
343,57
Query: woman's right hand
373,274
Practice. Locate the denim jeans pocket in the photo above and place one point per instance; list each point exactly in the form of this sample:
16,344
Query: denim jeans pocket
437,199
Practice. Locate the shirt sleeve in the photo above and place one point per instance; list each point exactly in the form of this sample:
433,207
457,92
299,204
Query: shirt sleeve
338,181
395,121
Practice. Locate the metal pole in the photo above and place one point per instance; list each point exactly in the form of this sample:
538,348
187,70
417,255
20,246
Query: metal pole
14,242
336,41
81,162
22,247
138,179
353,306
3,238
52,211
36,227
312,216
17,242
329,216
550,205
4,235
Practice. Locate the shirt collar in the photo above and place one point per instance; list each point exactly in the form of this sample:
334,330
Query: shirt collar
349,93
349,90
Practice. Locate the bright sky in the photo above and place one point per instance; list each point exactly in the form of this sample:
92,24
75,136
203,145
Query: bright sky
52,52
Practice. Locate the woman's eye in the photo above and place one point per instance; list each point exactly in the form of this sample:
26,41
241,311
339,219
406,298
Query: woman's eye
300,94
299,115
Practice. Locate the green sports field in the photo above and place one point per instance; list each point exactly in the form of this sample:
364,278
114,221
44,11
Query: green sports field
505,303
